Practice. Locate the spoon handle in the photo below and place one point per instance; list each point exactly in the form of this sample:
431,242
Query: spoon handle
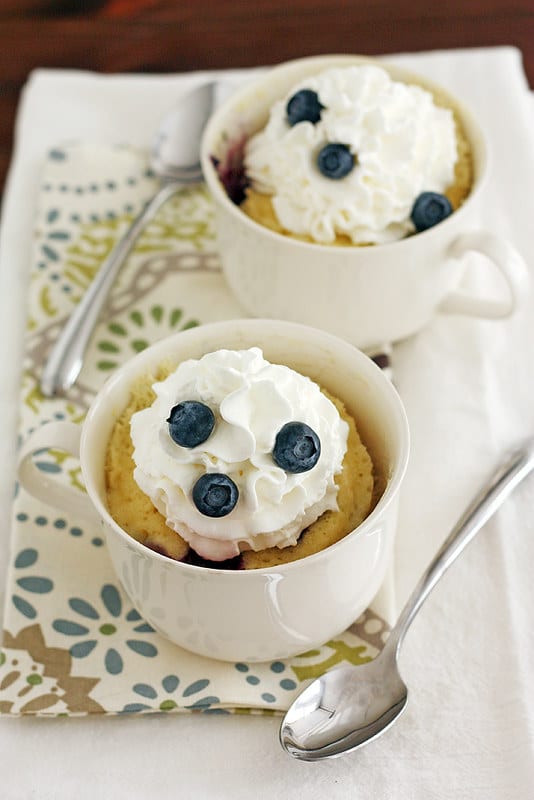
66,357
482,508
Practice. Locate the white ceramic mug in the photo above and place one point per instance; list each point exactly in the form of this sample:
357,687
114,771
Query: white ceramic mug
367,295
257,614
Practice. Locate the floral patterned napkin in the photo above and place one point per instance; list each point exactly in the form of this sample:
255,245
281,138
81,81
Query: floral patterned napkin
72,642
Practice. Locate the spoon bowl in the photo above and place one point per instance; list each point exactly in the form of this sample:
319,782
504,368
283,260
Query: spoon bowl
341,710
175,159
350,706
175,152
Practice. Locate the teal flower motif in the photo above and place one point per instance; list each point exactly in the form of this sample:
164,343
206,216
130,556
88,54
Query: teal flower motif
166,700
96,629
35,584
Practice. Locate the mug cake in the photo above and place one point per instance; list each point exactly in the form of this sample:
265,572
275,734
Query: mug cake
351,156
235,614
232,461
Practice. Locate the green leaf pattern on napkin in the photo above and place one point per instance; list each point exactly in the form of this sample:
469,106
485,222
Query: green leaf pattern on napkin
72,642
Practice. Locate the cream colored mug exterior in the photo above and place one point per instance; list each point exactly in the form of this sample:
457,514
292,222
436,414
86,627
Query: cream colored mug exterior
367,295
243,615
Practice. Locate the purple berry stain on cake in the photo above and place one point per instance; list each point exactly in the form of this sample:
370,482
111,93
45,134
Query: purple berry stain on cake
231,171
197,561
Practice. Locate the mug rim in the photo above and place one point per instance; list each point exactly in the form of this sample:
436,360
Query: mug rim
394,479
220,195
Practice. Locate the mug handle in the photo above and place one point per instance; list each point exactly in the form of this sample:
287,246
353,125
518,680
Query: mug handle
506,259
43,486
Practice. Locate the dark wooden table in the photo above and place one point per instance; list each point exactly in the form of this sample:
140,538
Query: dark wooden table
183,35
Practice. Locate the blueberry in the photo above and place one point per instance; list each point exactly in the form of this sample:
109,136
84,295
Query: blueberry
297,447
215,494
304,106
190,423
429,209
335,161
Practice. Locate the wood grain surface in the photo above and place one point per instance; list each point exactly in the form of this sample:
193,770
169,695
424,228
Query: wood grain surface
184,35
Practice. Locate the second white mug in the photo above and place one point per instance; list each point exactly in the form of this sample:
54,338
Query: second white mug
366,295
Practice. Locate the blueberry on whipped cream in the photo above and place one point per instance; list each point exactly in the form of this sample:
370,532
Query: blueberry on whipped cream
335,161
190,423
429,209
297,447
304,106
215,495
256,480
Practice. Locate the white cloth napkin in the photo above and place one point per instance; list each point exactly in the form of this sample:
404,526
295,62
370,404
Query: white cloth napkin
468,731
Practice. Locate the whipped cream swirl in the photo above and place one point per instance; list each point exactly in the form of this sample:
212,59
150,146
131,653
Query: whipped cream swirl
402,142
251,400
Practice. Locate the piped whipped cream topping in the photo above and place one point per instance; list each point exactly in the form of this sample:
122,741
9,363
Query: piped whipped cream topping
251,400
402,142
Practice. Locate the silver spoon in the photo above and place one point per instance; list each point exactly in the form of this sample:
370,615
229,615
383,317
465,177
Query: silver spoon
175,158
349,706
